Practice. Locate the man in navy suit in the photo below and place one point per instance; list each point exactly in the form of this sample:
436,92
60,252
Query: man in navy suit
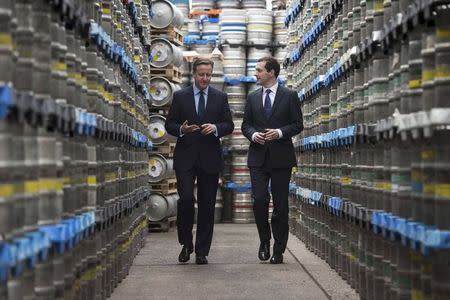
199,116
272,117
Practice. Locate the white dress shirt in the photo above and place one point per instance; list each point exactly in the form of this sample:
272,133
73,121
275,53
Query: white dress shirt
272,95
197,99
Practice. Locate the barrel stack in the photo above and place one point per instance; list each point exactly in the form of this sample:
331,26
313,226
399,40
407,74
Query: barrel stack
73,166
248,32
373,158
166,59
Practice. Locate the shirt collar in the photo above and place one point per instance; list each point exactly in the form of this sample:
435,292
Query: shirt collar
273,88
197,90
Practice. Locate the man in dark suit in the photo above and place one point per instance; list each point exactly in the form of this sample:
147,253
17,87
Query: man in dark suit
199,116
272,117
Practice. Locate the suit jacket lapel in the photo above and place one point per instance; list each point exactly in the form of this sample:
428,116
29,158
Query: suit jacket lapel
278,98
191,102
259,103
209,102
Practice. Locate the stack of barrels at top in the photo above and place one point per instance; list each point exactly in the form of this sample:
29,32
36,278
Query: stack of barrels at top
73,147
246,35
166,58
201,40
372,195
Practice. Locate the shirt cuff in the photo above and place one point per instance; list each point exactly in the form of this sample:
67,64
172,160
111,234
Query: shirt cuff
280,133
253,137
215,131
181,133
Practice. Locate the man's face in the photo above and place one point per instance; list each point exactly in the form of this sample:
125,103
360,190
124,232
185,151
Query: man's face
202,76
262,76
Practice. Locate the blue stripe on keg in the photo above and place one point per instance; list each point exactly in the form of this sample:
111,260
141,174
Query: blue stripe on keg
210,33
233,24
234,30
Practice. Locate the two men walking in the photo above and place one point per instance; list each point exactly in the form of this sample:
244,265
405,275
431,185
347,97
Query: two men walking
199,116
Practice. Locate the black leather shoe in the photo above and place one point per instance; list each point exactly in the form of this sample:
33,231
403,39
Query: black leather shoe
185,254
264,251
276,259
201,260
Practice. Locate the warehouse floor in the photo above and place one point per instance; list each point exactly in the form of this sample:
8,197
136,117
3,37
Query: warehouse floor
233,272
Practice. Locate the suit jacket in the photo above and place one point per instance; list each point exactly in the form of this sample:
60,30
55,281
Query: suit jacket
195,147
286,115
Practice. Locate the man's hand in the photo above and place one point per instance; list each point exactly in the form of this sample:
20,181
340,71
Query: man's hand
271,134
208,128
185,128
259,138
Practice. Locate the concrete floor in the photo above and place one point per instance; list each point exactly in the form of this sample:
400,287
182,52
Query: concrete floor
234,271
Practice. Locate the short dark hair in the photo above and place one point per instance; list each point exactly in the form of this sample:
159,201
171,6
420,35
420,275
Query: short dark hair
201,61
271,64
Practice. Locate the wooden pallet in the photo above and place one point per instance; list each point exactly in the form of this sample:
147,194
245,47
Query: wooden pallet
170,72
166,187
165,149
163,226
170,33
203,12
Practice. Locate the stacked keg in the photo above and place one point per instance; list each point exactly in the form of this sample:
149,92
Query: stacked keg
190,31
73,168
167,57
373,158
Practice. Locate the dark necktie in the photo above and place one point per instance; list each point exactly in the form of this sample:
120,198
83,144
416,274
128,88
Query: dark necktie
201,105
267,103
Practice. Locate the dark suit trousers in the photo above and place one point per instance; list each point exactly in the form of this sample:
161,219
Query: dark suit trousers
279,178
206,200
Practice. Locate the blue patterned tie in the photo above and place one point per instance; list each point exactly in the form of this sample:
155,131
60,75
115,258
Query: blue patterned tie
267,103
201,105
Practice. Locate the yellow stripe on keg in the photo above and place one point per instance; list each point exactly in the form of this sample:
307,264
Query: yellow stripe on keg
137,59
92,180
442,72
59,67
50,185
442,190
383,185
442,33
59,184
258,27
31,186
428,75
415,83
378,6
324,117
429,188
66,181
92,86
6,40
7,190
336,45
416,294
106,11
88,275
345,180
427,154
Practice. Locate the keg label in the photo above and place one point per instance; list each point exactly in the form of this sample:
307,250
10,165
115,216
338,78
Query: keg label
442,33
6,190
442,72
442,190
6,40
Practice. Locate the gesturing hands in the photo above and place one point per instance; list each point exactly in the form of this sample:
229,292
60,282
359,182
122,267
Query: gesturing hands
268,135
185,128
206,128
